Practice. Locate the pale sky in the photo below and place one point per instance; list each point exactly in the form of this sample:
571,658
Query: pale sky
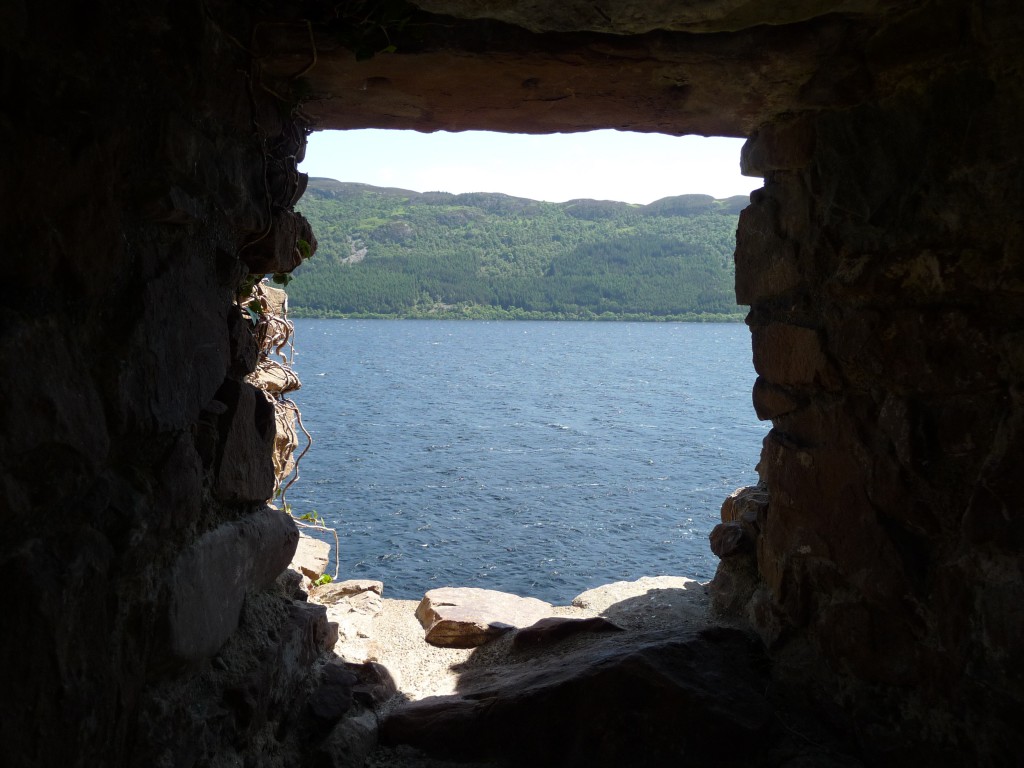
603,165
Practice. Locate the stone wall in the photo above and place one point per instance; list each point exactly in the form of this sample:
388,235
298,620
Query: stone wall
147,169
882,262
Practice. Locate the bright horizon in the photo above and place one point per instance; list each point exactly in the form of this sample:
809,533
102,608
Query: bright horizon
602,165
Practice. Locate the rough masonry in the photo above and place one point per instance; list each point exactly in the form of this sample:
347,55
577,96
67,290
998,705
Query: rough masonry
150,168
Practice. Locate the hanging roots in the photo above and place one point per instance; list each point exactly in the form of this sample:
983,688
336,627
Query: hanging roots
267,307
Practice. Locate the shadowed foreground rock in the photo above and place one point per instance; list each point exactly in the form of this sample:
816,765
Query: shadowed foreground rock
657,699
555,628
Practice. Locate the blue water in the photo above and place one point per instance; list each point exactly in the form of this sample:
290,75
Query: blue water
540,458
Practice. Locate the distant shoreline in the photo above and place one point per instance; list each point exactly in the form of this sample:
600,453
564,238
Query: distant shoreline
491,313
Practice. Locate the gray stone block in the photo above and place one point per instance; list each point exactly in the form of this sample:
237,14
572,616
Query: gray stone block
211,578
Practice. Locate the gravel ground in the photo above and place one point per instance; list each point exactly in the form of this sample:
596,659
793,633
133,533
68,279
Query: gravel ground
395,640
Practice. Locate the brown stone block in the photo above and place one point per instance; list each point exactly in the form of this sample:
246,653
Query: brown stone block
771,401
180,340
765,261
728,539
821,514
333,695
791,354
465,617
277,250
781,546
780,146
804,580
872,642
735,581
244,466
179,491
908,348
821,430
244,352
272,376
748,505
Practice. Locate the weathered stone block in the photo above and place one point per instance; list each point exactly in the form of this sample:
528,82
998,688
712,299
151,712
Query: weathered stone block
328,594
245,467
278,250
210,579
375,684
353,607
728,539
180,482
465,617
748,505
51,400
186,308
771,401
271,376
351,741
790,354
607,597
781,146
333,695
312,633
766,263
735,582
244,351
277,300
290,583
311,557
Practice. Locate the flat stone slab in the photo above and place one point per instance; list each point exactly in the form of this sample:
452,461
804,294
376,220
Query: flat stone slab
465,617
328,594
311,557
600,598
650,602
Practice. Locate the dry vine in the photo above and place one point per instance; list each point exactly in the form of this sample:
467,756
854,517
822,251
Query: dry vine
267,308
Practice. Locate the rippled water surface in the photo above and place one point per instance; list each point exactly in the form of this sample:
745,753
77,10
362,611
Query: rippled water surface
541,458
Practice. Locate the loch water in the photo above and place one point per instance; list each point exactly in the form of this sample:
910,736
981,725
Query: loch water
539,458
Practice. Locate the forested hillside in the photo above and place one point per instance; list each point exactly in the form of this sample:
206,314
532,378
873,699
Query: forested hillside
392,252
